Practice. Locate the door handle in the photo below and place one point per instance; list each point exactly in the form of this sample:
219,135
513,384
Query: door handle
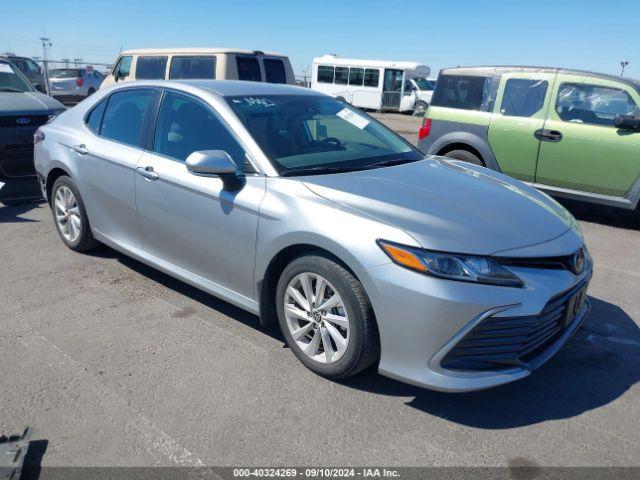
548,135
148,173
81,149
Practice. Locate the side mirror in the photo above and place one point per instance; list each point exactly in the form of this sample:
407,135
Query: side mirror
116,75
627,122
214,163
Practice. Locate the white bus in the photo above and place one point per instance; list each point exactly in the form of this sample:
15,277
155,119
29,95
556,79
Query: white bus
373,84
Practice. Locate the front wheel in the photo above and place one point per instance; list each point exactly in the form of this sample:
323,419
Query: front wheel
70,216
419,108
326,318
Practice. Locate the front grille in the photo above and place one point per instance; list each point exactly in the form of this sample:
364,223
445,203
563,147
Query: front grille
12,121
503,342
17,160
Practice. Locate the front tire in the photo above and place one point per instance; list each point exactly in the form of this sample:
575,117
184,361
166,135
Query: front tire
465,156
70,216
420,108
326,318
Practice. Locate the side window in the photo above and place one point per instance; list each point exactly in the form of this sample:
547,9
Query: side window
248,68
94,119
342,75
523,98
193,67
185,126
274,70
371,77
124,116
325,74
465,92
593,104
356,76
123,68
408,87
151,68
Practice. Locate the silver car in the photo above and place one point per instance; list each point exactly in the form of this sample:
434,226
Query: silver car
70,85
306,211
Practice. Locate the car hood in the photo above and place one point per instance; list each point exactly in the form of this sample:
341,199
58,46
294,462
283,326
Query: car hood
448,205
13,103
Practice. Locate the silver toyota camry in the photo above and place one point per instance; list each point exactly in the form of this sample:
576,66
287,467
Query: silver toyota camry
306,211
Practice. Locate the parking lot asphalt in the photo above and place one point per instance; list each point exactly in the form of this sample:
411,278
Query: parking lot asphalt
113,363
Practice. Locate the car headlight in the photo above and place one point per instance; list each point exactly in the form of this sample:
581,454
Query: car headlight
453,266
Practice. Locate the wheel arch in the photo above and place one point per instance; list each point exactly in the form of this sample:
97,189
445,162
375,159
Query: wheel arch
473,141
52,176
461,146
268,281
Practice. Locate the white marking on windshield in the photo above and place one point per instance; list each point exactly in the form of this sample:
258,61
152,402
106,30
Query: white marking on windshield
353,118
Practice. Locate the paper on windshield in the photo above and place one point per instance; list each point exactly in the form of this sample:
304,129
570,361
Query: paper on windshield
4,68
353,118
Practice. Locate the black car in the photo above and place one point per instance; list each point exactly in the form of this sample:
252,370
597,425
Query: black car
22,110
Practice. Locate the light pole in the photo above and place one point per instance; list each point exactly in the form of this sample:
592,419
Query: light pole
623,64
46,45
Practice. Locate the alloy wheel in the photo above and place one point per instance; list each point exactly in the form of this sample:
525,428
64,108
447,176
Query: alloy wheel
67,214
316,317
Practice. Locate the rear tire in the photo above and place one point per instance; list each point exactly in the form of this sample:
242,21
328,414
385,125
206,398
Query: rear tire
465,156
70,216
351,318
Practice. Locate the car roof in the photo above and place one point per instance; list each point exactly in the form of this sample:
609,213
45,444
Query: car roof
195,51
228,88
488,70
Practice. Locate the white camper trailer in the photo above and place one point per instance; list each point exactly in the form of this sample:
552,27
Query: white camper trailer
372,84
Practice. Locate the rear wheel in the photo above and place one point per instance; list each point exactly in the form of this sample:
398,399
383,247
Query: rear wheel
70,216
465,156
326,318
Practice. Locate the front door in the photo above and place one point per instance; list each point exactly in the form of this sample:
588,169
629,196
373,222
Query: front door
520,110
192,222
392,89
581,148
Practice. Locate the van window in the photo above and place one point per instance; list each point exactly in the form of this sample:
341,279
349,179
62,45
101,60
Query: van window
186,126
124,115
593,104
356,76
274,71
325,74
151,68
342,75
123,68
248,68
371,77
522,97
193,67
459,91
94,119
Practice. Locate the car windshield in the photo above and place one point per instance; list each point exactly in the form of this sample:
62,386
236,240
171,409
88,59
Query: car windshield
309,134
424,84
12,81
65,73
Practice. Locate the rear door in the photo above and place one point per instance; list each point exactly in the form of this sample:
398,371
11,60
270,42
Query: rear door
581,148
107,158
521,106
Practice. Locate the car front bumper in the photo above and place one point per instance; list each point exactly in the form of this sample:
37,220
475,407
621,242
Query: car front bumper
422,318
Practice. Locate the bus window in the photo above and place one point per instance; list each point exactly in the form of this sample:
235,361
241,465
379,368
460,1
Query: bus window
356,76
371,77
342,75
325,74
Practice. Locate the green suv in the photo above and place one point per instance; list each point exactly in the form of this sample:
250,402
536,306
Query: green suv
571,133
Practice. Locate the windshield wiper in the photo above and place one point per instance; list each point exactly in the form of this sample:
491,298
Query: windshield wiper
318,171
388,163
9,89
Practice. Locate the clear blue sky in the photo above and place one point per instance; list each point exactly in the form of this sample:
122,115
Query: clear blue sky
587,34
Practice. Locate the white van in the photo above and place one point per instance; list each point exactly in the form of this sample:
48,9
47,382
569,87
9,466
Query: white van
200,63
372,84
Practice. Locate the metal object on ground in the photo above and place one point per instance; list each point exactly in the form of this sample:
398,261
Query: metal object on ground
13,450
